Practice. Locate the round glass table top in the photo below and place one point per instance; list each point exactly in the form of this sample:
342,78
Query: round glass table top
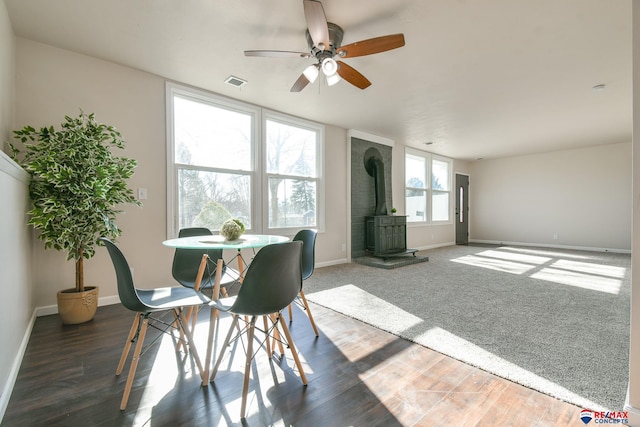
218,242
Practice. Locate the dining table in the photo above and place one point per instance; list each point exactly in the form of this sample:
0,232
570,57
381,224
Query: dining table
245,241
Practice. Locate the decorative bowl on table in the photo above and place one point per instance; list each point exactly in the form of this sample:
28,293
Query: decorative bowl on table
232,229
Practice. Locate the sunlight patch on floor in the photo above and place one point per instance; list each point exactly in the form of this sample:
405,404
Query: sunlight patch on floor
160,381
590,268
516,257
355,302
494,264
580,280
570,272
450,344
543,252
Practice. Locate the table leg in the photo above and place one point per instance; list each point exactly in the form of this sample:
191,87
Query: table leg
213,321
240,266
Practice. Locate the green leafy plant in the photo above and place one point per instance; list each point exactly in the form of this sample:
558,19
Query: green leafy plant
394,210
232,229
76,184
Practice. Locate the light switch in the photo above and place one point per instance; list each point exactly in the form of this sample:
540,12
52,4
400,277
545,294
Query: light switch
142,193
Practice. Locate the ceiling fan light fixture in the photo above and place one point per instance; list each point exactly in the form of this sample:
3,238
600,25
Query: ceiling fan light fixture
329,66
311,73
333,79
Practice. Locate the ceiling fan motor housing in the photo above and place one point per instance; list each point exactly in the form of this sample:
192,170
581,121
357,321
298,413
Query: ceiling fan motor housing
335,41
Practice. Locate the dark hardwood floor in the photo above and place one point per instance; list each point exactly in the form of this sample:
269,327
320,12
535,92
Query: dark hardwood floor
358,376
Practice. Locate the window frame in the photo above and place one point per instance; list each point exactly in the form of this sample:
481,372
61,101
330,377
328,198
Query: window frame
257,173
428,189
319,178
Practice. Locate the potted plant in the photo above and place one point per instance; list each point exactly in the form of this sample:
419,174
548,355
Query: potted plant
232,229
77,182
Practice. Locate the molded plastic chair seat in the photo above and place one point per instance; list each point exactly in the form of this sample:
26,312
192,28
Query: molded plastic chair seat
145,302
162,299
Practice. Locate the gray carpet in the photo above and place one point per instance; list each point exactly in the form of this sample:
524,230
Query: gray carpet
554,320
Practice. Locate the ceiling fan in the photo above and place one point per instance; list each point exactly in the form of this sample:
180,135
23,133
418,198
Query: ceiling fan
324,40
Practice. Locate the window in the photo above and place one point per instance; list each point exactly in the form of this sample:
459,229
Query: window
292,153
427,187
229,159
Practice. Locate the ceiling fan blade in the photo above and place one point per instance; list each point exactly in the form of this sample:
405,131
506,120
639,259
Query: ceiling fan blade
353,76
371,46
300,84
277,54
317,23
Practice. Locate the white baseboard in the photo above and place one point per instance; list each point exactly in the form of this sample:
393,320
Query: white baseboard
53,309
15,367
634,415
439,245
544,245
334,262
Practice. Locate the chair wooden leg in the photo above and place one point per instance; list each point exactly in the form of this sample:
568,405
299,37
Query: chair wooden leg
193,316
290,314
292,347
234,324
127,345
190,317
134,363
306,306
276,335
247,366
184,331
267,340
213,324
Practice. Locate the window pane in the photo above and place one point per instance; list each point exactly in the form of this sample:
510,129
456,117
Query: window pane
207,199
462,207
415,171
204,135
416,205
440,175
290,150
440,206
292,203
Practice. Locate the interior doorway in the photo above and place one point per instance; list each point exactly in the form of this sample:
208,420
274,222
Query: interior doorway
462,209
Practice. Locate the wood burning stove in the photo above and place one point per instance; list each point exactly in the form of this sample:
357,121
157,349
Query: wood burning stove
386,235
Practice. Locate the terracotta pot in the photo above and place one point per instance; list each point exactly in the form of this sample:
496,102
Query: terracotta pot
77,307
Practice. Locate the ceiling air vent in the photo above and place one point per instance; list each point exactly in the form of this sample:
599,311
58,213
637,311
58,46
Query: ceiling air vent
235,81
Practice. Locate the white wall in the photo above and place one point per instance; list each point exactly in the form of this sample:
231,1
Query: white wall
7,75
633,395
133,101
16,315
583,196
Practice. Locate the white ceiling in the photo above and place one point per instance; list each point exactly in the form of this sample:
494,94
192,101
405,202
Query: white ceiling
479,78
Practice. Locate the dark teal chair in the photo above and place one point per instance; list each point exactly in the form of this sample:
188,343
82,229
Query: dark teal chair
308,239
272,282
145,303
187,261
